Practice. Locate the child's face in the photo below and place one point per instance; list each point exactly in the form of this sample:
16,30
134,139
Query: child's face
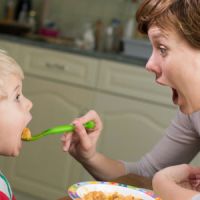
14,116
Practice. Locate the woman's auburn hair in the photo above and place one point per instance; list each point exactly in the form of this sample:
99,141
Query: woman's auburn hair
180,15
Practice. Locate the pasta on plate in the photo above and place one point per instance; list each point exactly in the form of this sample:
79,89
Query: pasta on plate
98,195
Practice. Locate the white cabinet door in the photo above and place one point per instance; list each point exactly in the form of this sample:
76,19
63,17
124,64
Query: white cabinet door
131,126
132,81
134,110
61,66
12,49
42,169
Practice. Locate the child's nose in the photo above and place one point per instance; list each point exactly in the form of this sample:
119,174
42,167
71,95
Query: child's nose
29,104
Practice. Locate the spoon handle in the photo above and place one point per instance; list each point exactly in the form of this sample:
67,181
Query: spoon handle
61,129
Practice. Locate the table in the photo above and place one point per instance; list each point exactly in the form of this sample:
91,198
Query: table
130,179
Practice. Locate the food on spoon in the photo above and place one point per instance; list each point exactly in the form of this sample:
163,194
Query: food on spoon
98,195
26,134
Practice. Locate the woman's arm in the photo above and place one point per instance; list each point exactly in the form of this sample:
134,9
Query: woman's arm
179,145
104,168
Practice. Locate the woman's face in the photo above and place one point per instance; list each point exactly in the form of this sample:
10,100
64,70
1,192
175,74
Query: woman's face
15,115
176,64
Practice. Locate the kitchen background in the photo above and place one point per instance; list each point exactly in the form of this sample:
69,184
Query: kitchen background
70,16
64,82
91,24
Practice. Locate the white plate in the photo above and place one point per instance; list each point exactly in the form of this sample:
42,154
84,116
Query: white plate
78,190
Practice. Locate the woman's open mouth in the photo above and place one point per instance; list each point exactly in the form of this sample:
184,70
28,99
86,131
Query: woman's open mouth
174,96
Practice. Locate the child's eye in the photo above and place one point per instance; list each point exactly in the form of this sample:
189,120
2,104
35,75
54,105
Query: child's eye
18,97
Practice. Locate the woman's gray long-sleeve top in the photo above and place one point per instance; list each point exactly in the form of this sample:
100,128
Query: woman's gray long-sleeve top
180,144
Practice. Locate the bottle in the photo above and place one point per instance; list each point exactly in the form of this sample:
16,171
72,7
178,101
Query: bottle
129,28
99,33
9,11
117,35
32,21
113,36
88,37
23,7
109,39
23,15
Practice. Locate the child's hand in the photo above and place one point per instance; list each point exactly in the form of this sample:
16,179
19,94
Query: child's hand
183,175
82,143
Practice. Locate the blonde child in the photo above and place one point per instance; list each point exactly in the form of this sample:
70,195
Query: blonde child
14,115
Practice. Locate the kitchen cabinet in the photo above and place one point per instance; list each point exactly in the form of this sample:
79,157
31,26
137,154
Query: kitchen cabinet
8,47
60,66
132,108
12,50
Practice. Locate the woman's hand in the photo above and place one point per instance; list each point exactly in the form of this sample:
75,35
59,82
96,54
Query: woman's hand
82,143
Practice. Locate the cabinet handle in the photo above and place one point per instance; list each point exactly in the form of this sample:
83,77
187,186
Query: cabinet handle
57,66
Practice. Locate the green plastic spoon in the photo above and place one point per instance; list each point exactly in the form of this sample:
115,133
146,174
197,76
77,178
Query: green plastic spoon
57,130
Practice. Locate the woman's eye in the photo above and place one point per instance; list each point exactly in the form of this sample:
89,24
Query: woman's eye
163,51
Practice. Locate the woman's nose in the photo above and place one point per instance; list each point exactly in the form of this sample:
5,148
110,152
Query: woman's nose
152,66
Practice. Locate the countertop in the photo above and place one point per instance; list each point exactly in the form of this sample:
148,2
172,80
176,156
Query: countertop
118,57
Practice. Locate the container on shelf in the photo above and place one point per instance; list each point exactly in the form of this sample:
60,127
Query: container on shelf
137,48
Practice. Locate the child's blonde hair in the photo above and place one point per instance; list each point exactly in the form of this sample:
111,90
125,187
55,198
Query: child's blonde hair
8,66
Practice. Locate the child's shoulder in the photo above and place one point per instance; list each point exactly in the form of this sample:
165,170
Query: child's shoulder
5,189
3,196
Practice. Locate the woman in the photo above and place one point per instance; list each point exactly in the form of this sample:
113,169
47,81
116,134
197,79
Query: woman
173,30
